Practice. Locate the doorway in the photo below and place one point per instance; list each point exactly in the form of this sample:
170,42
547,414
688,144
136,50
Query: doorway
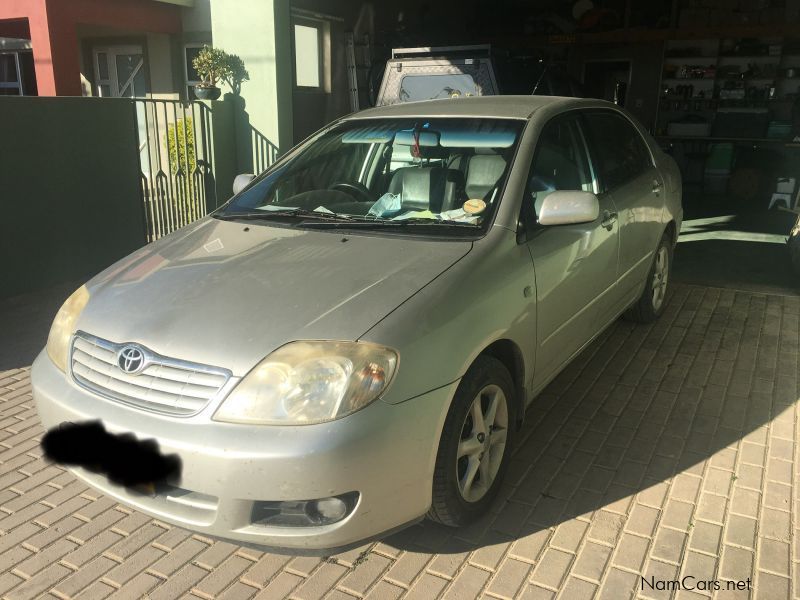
607,80
119,72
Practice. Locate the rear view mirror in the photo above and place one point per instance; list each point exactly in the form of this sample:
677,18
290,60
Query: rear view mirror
423,137
568,208
241,182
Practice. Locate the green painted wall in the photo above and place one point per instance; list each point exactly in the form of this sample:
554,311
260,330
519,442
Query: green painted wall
259,32
69,189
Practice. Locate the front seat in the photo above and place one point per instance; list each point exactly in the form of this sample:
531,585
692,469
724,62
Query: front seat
483,173
427,188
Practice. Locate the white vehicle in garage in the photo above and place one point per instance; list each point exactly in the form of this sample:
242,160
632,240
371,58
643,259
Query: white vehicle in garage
349,344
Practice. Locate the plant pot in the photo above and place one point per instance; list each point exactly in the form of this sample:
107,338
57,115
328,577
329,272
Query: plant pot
207,92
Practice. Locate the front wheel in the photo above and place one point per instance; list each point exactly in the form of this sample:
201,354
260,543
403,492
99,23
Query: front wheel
475,446
653,300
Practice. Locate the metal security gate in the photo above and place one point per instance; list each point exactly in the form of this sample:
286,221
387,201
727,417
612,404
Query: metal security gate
175,155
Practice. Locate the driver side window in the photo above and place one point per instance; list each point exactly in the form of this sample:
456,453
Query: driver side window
559,163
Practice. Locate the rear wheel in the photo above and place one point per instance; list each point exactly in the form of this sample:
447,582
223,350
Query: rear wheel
476,444
653,300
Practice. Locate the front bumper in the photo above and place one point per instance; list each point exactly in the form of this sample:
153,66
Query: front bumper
385,452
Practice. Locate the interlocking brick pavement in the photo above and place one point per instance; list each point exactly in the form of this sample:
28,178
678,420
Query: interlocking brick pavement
663,451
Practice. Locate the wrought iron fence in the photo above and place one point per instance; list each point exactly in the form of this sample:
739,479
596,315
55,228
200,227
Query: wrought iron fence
264,152
177,171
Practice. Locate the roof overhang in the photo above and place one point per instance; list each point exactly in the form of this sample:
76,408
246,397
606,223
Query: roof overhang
186,3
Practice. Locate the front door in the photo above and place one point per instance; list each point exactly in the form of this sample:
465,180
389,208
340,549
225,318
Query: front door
575,265
627,173
119,72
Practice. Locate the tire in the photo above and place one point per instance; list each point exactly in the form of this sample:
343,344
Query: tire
651,304
458,499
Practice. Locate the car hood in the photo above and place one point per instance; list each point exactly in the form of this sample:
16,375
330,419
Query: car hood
226,294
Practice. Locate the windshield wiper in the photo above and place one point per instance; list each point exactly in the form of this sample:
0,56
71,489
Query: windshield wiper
367,223
293,212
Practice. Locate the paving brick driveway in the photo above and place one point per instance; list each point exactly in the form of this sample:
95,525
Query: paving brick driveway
662,451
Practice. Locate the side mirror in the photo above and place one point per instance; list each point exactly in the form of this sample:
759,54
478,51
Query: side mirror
241,182
568,208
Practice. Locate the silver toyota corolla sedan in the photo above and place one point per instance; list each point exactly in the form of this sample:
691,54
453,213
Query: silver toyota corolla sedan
349,344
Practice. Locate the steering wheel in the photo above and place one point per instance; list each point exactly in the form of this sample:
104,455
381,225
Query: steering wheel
358,190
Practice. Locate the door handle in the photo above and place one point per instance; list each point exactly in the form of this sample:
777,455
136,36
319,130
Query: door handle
656,186
609,218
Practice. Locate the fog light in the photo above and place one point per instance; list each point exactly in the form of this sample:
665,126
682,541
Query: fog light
327,510
304,513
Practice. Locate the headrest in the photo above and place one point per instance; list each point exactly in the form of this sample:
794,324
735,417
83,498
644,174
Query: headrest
483,173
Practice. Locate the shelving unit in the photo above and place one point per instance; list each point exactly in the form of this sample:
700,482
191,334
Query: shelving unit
715,77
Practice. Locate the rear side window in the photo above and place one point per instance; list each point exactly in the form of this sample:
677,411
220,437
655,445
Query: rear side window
618,150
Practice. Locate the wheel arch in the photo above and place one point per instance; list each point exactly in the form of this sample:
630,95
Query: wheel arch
672,230
510,354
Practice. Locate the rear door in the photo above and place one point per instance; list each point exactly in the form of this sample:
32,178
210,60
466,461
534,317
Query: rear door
626,172
575,265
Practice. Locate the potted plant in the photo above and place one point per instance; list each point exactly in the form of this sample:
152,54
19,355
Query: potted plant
211,65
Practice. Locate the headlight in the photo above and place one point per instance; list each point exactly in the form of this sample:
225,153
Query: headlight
64,326
310,382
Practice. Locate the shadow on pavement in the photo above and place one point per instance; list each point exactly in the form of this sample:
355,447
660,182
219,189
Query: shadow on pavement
640,412
745,251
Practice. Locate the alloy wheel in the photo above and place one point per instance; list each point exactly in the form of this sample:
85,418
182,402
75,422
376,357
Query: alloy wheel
482,443
660,277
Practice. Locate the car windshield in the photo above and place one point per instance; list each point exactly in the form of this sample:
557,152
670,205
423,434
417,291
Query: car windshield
436,175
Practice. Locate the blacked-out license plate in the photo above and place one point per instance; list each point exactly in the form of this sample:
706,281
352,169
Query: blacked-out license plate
124,459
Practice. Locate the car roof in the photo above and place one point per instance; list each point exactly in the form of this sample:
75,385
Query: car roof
506,107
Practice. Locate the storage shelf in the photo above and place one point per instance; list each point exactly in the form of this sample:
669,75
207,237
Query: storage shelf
691,58
747,78
777,57
768,72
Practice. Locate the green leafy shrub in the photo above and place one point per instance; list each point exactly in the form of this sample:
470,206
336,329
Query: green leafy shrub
182,159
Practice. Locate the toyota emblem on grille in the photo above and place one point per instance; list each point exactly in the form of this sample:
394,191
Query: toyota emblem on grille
131,360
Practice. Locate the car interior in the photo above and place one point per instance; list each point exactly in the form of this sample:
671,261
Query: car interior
400,171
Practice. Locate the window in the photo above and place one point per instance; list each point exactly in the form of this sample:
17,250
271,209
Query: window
349,173
430,87
119,72
10,84
17,74
617,148
308,54
190,52
559,163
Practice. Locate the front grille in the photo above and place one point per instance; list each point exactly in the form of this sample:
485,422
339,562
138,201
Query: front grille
165,385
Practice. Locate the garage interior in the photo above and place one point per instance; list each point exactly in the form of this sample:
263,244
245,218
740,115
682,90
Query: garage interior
716,82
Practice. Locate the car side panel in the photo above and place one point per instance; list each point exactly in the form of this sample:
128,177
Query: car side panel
640,204
576,267
487,296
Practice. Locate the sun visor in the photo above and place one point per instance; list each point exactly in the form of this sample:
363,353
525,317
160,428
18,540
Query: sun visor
368,135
